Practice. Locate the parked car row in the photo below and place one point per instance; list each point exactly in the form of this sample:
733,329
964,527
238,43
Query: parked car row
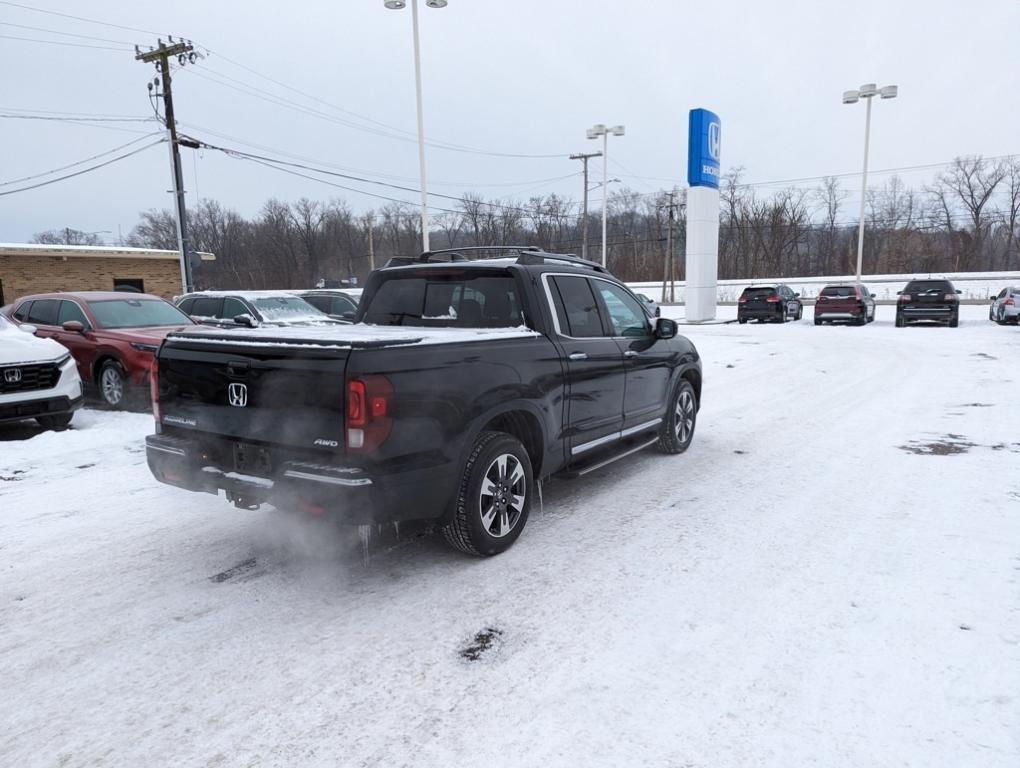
929,300
109,338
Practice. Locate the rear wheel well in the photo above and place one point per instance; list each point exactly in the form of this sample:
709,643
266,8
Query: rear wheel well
526,428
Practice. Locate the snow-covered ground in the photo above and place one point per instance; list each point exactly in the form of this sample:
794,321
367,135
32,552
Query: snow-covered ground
828,577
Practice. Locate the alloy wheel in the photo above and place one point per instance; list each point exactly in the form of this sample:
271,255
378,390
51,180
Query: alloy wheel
112,385
501,499
684,423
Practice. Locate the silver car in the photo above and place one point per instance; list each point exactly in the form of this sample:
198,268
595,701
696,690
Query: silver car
649,304
1005,307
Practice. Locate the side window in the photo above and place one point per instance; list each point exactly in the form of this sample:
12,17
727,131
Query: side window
1003,294
233,307
71,311
206,306
342,304
44,312
625,313
22,313
577,309
321,303
185,305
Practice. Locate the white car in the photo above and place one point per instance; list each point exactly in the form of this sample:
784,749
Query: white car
38,378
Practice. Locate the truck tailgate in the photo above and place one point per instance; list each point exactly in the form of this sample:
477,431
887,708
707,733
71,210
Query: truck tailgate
290,396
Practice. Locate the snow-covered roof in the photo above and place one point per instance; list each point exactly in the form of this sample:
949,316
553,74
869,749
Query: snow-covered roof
92,251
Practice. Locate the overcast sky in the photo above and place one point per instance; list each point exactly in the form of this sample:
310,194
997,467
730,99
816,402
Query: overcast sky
505,76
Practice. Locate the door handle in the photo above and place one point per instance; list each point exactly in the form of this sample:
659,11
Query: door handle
630,353
578,356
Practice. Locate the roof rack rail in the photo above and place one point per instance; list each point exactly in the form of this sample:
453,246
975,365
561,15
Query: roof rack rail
529,254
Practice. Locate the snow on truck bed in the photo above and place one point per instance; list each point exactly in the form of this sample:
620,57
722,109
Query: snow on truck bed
348,336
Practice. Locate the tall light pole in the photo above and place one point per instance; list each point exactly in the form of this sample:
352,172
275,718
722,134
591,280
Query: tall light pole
396,5
593,133
868,91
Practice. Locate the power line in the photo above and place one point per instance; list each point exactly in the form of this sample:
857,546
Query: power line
399,187
65,34
436,143
77,162
83,171
56,119
376,174
63,43
77,18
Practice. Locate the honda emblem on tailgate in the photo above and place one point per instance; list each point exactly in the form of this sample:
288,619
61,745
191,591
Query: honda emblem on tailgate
12,375
237,394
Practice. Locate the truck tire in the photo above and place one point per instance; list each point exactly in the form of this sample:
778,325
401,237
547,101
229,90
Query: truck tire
677,429
494,498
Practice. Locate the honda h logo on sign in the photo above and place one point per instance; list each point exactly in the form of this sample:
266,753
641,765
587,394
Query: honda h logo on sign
12,375
237,394
714,140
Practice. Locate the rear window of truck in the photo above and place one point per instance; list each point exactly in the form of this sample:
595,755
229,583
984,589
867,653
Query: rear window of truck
456,301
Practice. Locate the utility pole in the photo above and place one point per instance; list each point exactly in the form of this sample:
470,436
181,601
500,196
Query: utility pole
584,158
370,223
669,268
183,51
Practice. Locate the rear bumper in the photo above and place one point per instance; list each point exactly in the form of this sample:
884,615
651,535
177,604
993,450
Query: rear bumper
928,313
351,494
770,313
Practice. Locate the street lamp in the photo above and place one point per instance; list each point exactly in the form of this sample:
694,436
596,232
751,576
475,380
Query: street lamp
868,91
396,5
593,133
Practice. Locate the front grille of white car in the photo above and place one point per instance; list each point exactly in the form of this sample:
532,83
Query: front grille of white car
28,378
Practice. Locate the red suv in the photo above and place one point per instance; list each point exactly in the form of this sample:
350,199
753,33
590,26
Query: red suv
112,336
850,303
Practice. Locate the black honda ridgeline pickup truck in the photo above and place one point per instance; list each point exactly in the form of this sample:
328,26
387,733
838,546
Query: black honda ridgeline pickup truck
461,384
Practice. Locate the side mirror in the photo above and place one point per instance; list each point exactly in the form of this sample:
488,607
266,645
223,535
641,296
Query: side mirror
665,328
873,296
958,290
796,295
73,326
899,293
246,320
27,328
348,316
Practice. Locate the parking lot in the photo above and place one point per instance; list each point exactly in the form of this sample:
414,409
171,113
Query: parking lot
827,577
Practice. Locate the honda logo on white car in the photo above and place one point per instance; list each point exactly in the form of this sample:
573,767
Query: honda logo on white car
237,394
12,375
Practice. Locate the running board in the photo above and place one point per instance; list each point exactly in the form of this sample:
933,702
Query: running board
598,462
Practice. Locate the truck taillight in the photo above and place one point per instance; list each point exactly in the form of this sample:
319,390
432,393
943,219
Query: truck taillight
368,419
742,300
904,297
154,389
950,297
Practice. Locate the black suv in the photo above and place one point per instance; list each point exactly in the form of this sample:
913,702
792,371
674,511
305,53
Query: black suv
928,300
769,303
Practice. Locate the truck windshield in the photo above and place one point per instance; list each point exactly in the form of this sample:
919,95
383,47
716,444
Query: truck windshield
457,301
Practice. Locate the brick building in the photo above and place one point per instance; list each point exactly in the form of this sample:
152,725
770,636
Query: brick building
27,268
